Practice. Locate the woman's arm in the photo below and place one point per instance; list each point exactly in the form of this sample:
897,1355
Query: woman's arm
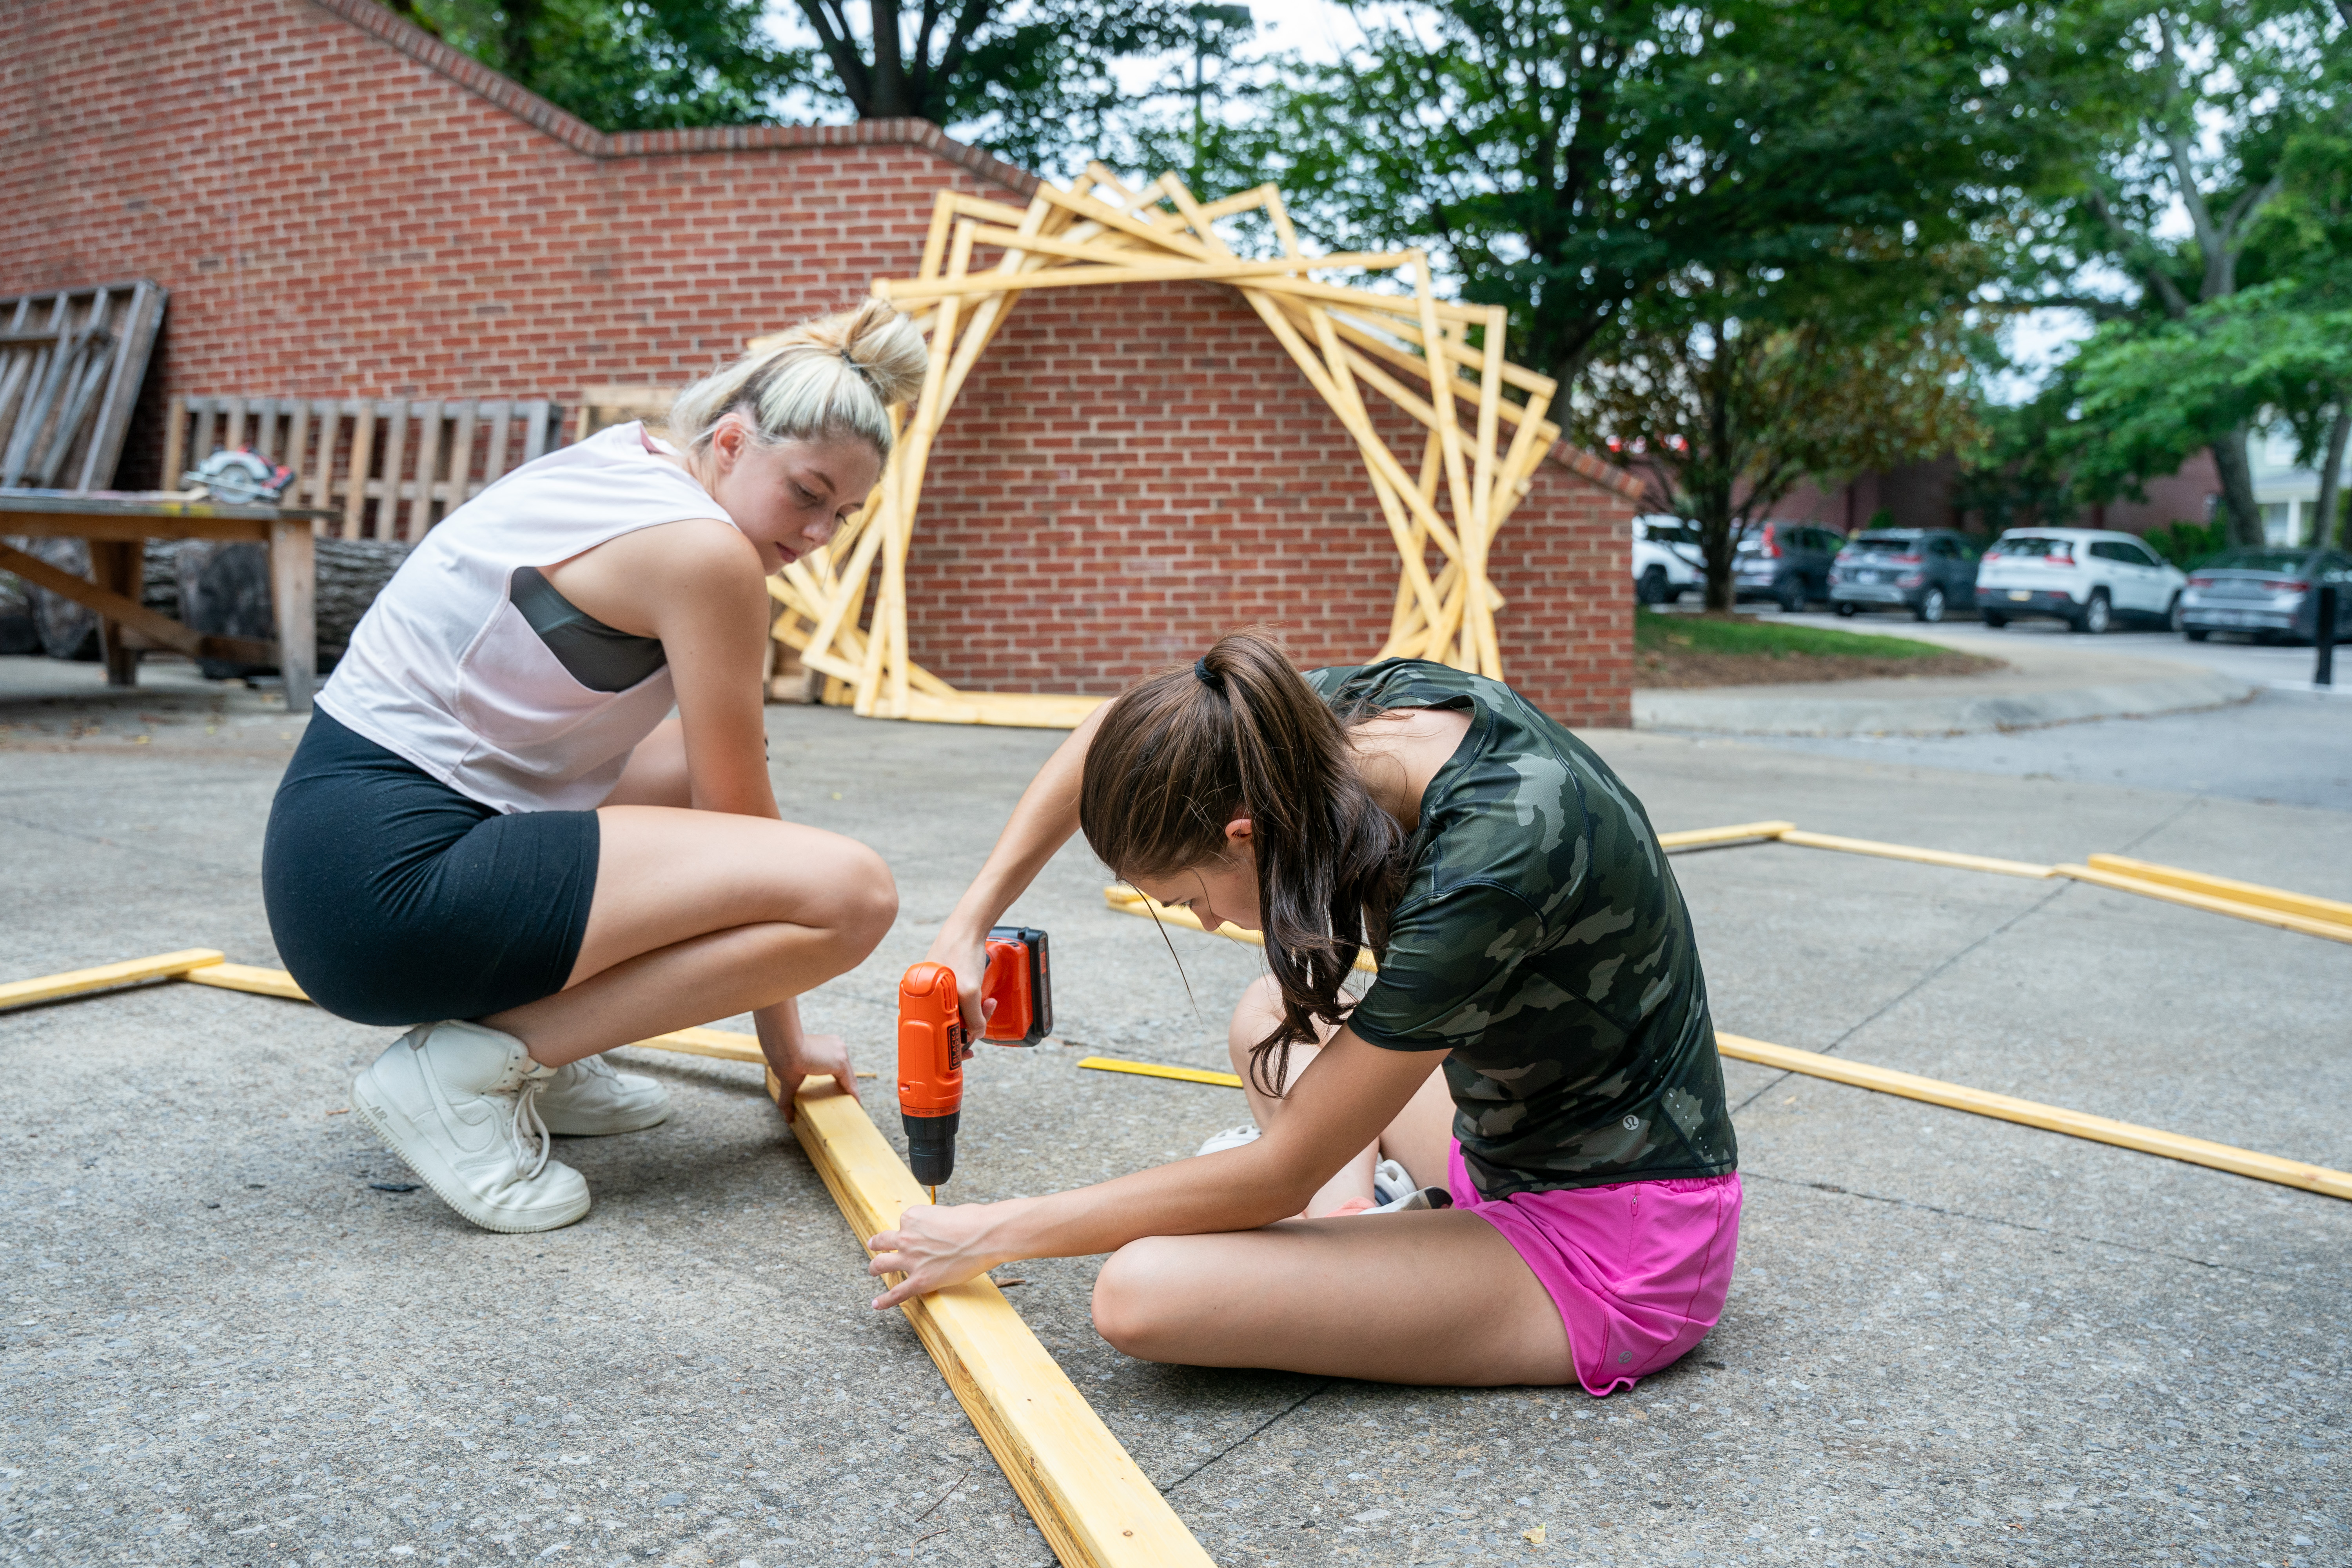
698,586
1339,1105
1040,826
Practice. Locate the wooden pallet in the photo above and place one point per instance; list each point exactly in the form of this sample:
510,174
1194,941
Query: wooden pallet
70,367
1412,349
417,460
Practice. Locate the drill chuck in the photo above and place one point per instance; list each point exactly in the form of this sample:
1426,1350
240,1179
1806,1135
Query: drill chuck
930,1146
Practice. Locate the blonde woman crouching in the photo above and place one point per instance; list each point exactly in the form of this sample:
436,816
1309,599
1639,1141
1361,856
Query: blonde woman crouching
493,831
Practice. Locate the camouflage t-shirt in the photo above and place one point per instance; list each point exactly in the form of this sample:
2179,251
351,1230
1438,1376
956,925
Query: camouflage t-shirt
1542,942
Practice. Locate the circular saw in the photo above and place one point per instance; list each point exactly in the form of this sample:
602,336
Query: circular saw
240,478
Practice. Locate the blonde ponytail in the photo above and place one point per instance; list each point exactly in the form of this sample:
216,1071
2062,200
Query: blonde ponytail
833,377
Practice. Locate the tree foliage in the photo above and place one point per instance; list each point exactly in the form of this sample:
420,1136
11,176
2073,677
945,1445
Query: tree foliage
1030,80
640,65
2203,111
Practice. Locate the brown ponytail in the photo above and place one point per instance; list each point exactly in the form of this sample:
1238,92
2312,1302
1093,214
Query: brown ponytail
1241,733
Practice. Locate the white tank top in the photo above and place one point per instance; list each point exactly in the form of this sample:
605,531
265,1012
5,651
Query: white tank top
444,670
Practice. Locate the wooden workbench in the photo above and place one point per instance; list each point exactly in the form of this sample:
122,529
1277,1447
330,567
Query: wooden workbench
118,523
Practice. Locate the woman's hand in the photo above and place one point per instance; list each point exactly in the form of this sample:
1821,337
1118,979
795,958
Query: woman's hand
966,957
815,1056
934,1247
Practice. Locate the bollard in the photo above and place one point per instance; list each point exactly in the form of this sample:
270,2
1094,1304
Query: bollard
2323,636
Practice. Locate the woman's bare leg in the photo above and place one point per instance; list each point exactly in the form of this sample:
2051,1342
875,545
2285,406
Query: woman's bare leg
656,772
1418,1139
700,915
1422,1297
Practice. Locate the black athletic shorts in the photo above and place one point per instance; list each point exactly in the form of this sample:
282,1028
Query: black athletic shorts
397,900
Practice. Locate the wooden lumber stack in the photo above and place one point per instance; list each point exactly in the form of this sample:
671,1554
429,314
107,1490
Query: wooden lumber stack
71,364
1442,364
393,467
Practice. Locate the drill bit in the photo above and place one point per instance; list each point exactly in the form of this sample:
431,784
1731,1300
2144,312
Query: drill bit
935,1197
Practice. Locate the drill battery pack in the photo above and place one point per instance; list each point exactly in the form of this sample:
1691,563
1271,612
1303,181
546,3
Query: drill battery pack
1019,980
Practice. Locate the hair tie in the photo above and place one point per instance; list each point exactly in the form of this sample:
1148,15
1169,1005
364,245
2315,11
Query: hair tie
851,361
1207,677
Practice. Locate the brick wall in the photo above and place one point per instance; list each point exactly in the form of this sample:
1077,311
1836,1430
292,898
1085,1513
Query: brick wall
1130,472
340,204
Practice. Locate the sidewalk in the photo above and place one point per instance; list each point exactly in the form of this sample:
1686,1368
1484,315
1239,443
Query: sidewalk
2050,680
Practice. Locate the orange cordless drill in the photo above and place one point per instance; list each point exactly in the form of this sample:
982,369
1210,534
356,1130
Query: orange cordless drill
932,1047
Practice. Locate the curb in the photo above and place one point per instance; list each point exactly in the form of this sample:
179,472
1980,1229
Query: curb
1812,711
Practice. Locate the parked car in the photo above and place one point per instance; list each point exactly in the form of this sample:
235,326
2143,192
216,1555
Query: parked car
1923,570
1788,563
1666,559
2270,594
2088,577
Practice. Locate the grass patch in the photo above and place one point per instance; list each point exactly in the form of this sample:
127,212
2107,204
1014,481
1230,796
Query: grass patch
1655,633
1740,651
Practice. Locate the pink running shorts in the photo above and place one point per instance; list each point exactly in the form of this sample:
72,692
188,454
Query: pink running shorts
1638,1269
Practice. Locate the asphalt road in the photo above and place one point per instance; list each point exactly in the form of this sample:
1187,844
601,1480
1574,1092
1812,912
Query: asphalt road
2289,745
1949,1340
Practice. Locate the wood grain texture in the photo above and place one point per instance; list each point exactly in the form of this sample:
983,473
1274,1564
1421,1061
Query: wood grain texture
1094,1505
104,976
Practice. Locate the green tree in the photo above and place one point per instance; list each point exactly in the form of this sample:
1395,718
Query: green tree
2194,110
1031,80
1725,412
1741,231
627,64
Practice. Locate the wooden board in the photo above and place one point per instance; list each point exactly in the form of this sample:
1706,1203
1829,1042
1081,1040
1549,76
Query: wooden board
1908,852
2051,1117
1156,1069
1694,838
250,978
2235,891
2330,929
1098,232
1127,901
1094,1505
104,976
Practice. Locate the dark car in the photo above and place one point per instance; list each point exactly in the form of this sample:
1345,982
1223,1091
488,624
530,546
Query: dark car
1923,570
2269,593
1788,563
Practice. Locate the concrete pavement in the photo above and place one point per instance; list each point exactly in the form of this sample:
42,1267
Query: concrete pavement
1949,1340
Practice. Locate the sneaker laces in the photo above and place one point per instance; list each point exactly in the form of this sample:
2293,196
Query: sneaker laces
526,1114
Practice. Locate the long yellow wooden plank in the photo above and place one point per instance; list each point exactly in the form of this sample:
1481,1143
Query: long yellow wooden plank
2229,888
248,977
1127,901
2027,1112
1154,1070
130,972
1092,1502
1691,838
901,292
724,1043
1909,852
2331,929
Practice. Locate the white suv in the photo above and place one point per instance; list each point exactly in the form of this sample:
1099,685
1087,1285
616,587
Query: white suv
1666,559
2088,577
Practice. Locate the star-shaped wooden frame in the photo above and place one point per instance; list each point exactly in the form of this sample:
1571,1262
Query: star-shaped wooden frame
1342,338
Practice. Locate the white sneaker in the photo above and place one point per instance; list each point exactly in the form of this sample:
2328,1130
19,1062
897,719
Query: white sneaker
1231,1138
587,1098
454,1100
1390,1183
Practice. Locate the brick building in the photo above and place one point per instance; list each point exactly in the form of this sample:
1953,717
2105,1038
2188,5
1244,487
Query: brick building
341,205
